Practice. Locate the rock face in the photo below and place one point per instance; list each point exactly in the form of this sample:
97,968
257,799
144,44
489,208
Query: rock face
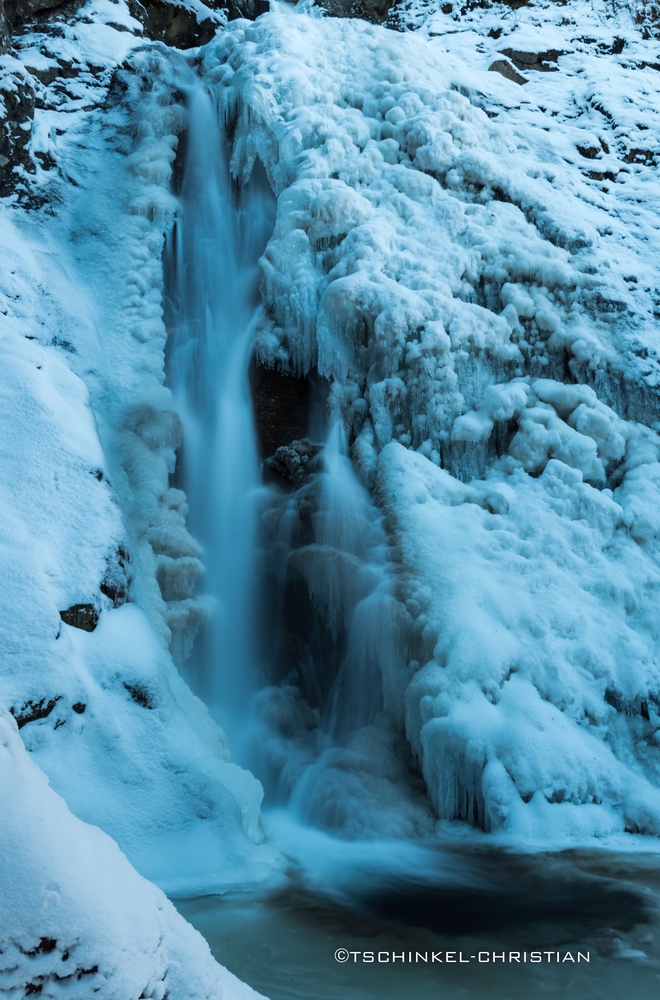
506,69
5,35
538,61
647,15
375,11
281,407
16,115
293,463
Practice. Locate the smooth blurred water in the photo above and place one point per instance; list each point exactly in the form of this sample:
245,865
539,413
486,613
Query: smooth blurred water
603,905
214,308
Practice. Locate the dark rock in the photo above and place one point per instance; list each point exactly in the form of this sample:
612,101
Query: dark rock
17,98
172,23
537,61
5,32
293,463
18,12
79,707
504,68
647,16
32,711
83,616
589,152
375,11
281,408
118,577
140,695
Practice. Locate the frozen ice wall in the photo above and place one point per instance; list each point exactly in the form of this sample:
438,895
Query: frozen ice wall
98,564
481,294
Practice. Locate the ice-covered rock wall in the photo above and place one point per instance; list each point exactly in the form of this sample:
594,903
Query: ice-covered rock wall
98,565
470,261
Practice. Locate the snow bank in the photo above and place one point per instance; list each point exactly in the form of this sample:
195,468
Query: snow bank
469,261
99,567
75,919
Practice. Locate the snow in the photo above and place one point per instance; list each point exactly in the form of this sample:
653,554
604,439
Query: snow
91,518
75,918
470,262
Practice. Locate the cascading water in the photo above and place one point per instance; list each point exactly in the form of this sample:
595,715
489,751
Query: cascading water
213,311
303,647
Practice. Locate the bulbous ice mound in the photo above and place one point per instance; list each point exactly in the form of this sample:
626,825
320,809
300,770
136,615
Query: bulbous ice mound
75,919
479,290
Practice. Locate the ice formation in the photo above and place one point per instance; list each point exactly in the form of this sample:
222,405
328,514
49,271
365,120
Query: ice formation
481,294
467,263
98,563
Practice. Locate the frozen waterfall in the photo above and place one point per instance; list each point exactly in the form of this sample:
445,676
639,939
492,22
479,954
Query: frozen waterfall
302,658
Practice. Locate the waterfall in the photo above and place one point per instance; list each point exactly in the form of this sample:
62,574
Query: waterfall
303,647
213,311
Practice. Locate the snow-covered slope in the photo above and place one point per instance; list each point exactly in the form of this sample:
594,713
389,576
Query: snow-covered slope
97,564
76,920
472,261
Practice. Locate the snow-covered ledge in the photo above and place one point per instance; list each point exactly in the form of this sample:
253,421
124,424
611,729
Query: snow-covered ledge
76,919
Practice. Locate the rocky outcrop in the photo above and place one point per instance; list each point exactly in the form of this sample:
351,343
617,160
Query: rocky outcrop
538,61
281,408
292,464
16,116
375,11
507,70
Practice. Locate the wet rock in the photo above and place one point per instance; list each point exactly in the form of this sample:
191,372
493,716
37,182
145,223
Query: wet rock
292,464
83,616
32,711
281,408
506,69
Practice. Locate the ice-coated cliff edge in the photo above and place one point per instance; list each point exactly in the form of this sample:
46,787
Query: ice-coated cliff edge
472,262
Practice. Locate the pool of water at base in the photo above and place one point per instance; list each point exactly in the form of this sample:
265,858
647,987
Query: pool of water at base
600,904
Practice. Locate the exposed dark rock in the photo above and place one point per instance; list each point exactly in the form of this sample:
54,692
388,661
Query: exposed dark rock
117,580
5,32
79,707
32,711
538,61
172,23
375,11
293,463
589,152
83,616
506,69
16,116
18,12
647,15
140,695
281,408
